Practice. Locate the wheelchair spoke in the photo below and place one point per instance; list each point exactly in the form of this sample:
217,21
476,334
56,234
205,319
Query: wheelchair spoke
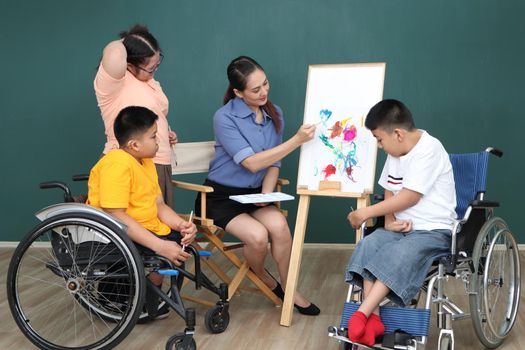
494,286
93,277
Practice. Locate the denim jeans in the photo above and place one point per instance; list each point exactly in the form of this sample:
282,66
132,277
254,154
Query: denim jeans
399,260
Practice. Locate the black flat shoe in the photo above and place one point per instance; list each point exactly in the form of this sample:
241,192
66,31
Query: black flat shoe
278,291
310,310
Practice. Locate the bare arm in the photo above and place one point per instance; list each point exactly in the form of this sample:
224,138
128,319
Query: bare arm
140,235
404,199
389,218
114,59
187,229
270,179
392,223
267,158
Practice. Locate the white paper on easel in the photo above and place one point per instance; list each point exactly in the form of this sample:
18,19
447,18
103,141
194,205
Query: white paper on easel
262,197
338,98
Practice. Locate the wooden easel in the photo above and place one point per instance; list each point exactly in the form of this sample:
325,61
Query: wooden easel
332,85
327,189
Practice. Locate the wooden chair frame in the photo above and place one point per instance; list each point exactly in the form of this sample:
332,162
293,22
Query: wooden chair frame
212,235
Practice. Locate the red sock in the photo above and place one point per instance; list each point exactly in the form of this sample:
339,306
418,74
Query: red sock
356,326
374,328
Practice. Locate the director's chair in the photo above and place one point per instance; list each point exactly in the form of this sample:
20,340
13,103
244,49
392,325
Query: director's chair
194,158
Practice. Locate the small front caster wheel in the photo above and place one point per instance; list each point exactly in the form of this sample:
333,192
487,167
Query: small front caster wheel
177,343
217,319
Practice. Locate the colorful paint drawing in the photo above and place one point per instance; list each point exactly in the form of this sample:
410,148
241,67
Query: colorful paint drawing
339,138
343,151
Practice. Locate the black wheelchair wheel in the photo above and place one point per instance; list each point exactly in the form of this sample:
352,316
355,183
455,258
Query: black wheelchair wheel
176,343
217,319
494,288
71,273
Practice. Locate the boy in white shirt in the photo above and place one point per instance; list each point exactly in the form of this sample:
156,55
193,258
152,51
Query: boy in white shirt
419,205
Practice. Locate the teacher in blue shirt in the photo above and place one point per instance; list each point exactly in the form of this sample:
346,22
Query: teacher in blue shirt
248,151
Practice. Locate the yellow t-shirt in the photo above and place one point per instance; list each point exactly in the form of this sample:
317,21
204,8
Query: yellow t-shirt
118,180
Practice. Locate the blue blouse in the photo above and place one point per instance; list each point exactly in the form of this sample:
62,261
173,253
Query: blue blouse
237,137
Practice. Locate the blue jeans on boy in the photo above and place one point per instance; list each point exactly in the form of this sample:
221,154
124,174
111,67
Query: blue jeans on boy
399,260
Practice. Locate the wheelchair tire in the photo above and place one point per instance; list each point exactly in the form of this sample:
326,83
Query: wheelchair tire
67,256
494,288
175,343
217,319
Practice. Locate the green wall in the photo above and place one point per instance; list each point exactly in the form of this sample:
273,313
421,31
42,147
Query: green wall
459,66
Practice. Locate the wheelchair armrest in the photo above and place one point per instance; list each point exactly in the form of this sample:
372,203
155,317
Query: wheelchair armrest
191,186
481,204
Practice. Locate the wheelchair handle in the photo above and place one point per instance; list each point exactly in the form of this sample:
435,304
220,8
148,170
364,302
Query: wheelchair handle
58,184
80,177
497,152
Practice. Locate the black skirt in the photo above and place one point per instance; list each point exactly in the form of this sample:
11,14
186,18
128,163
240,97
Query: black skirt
220,207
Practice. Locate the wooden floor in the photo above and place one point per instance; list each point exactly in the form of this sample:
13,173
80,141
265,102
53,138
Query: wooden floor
254,321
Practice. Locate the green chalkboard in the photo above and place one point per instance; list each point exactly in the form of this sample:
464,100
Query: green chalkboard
459,66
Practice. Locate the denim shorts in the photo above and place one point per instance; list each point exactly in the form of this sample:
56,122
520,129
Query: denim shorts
399,260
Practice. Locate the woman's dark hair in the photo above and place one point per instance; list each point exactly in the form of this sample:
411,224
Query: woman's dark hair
238,71
140,44
132,122
388,115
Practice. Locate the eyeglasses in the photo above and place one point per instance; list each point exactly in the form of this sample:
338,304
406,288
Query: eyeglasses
151,71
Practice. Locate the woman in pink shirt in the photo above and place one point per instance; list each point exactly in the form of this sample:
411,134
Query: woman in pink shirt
125,77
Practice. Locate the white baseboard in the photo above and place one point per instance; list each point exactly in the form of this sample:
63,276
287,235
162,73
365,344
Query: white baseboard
11,244
8,244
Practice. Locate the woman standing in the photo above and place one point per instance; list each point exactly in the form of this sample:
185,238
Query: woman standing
248,133
125,77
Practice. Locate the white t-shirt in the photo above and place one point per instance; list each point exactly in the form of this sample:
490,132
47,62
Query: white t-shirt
426,169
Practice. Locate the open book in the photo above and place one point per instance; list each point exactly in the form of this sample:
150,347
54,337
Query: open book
262,197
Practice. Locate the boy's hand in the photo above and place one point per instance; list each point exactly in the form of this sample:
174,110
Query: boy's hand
357,217
188,230
399,226
172,251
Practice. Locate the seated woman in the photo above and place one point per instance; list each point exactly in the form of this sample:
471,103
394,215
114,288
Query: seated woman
248,133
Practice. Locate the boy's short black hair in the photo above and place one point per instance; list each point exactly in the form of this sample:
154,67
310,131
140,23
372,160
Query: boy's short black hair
388,115
133,121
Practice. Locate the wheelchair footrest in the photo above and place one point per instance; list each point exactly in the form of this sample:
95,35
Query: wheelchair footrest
168,272
396,339
412,321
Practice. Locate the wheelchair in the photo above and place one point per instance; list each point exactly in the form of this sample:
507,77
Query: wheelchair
484,256
91,281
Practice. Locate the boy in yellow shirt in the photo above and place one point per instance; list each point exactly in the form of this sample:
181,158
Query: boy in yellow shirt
124,184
